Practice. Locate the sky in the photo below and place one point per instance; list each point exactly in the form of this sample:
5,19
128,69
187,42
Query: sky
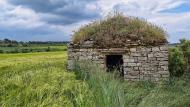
56,20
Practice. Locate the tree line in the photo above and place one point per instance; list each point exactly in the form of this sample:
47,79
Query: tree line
13,43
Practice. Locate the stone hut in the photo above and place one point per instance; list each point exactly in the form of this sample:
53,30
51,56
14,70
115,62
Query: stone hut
137,56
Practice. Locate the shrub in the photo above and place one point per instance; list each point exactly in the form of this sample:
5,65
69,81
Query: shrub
48,49
177,65
185,48
1,51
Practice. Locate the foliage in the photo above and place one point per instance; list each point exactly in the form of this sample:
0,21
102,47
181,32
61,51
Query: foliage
135,94
177,65
41,79
107,89
173,93
185,48
118,29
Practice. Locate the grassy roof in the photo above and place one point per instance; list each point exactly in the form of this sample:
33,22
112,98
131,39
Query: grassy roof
117,30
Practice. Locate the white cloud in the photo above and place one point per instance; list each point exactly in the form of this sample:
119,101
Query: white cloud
25,18
18,16
174,23
2,2
107,5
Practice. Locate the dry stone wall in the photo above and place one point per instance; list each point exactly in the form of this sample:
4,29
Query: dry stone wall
140,62
146,63
84,54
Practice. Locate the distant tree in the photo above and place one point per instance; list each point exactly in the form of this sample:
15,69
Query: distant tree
48,49
7,40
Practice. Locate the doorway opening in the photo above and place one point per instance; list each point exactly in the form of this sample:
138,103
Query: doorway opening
115,62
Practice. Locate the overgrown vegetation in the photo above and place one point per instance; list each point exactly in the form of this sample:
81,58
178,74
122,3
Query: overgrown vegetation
115,31
37,80
41,79
179,59
110,91
106,88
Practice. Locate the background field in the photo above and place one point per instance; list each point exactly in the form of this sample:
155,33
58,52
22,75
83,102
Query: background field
33,48
41,79
12,46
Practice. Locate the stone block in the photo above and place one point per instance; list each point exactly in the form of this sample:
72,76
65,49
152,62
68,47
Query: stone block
155,49
156,75
163,72
135,59
136,68
165,76
150,55
148,68
164,67
162,59
149,50
89,57
144,54
138,64
163,63
152,59
131,64
141,69
163,48
158,54
129,60
126,70
133,73
142,49
125,56
142,58
133,49
131,77
135,54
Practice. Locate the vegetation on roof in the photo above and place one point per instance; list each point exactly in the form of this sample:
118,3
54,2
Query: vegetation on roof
116,30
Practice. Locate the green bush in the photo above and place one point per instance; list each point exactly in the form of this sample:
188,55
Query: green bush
185,47
1,51
48,49
177,65
25,50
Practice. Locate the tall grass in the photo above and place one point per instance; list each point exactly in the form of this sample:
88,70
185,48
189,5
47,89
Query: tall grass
107,89
41,80
37,80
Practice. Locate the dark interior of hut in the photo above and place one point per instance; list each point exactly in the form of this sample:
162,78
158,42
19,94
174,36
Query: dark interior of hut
115,62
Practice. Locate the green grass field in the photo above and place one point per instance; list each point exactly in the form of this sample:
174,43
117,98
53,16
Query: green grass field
41,80
33,48
35,79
